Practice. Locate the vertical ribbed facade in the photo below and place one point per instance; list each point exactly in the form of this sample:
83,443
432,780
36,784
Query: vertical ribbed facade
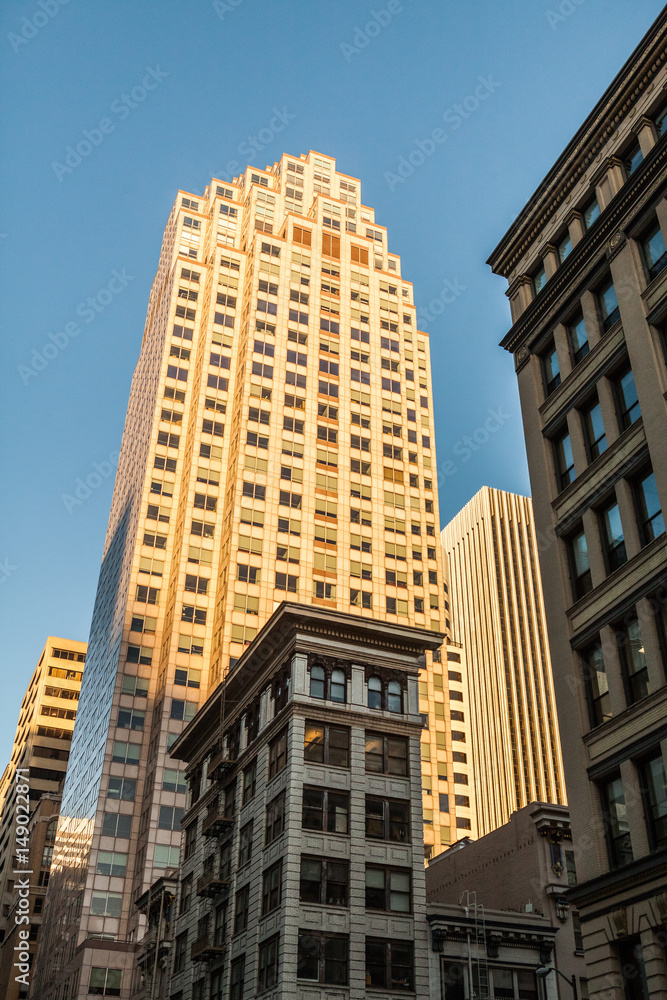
498,616
279,445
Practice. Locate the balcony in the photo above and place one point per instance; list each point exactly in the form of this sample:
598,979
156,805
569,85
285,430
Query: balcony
204,949
216,824
221,761
209,884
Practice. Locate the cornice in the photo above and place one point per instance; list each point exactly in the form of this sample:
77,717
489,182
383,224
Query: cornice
616,104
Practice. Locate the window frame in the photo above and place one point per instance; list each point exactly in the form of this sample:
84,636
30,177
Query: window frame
325,809
327,729
386,756
387,820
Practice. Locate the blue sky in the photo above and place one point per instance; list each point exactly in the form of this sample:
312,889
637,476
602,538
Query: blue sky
213,81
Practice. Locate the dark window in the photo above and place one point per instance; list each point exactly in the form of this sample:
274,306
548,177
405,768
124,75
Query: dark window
387,819
631,958
594,429
653,248
578,338
654,793
651,520
615,817
275,818
551,369
627,401
245,844
597,688
322,958
388,889
608,304
267,973
326,744
236,977
564,460
241,910
325,809
180,949
389,964
579,565
324,881
633,660
386,754
278,754
105,982
249,782
612,537
271,887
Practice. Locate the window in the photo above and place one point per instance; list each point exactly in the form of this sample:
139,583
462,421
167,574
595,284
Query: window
241,910
597,688
267,974
615,817
326,745
564,247
116,825
105,982
249,782
632,158
122,788
236,977
386,754
633,660
564,460
551,369
275,818
539,279
579,565
612,537
271,887
389,964
322,958
387,819
388,696
170,817
324,881
278,754
106,904
111,863
608,304
578,338
180,949
184,710
626,398
325,809
654,794
388,889
631,960
653,249
651,520
245,844
186,894
130,718
596,441
591,212
173,780
328,684
186,676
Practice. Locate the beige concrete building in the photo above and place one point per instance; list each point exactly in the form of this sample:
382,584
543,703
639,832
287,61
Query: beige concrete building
585,261
302,869
498,615
278,444
41,745
528,866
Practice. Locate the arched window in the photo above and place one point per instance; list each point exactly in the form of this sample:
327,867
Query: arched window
337,692
317,682
51,830
374,692
394,697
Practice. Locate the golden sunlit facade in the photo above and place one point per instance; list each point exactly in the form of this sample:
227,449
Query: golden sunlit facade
498,616
279,445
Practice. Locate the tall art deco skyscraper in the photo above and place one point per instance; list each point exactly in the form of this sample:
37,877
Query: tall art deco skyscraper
278,446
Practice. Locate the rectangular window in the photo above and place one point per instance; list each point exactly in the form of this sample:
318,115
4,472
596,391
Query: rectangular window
608,304
390,964
651,520
615,817
278,754
551,369
388,889
122,788
325,809
271,888
117,825
654,794
249,782
652,243
564,460
579,345
597,688
324,881
633,660
241,910
267,965
236,978
386,754
322,958
275,818
326,744
111,863
580,569
612,537
626,399
387,819
245,844
104,982
596,440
